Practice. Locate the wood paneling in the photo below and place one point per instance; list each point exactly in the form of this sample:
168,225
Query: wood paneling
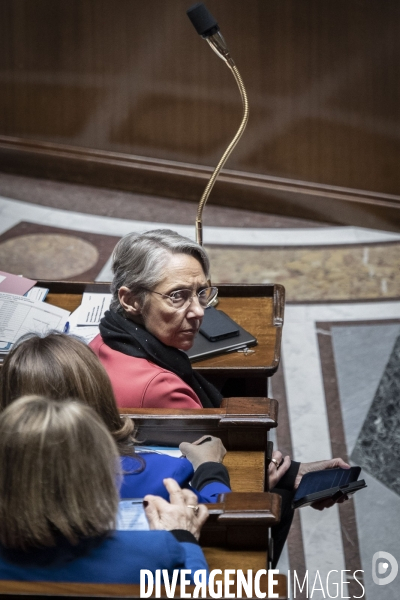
170,179
133,78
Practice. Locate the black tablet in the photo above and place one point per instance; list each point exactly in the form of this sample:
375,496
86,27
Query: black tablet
330,483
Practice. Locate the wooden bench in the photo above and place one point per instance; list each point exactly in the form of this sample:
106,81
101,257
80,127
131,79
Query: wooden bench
9,590
241,423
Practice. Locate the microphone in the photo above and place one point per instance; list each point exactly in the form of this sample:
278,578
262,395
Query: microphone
202,20
206,26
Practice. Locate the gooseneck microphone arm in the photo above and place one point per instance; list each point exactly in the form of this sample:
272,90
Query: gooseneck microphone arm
208,28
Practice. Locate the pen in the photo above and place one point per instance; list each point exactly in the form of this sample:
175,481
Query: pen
207,439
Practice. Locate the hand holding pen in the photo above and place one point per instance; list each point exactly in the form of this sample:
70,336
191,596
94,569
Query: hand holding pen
207,449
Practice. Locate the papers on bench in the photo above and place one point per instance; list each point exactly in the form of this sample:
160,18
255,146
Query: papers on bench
168,450
20,315
92,309
84,321
37,293
131,515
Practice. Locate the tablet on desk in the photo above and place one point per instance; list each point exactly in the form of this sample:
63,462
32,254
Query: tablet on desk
228,336
330,483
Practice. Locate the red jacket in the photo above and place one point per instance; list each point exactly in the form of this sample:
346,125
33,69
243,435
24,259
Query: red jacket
139,383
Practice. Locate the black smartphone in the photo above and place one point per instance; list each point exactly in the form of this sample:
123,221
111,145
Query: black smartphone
217,325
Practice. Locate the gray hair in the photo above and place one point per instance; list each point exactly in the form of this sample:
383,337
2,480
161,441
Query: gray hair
139,261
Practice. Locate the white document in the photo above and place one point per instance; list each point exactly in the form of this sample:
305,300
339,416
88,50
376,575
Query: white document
74,318
37,293
86,333
84,321
131,515
170,451
20,315
93,308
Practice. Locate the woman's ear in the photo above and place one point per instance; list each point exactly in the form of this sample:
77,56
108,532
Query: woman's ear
129,302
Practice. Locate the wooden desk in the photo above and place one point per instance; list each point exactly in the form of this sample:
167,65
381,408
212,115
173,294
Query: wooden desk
257,308
240,423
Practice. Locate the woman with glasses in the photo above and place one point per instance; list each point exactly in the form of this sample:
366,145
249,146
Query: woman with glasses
160,292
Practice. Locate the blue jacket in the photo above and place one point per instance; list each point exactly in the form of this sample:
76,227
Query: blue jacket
210,479
116,559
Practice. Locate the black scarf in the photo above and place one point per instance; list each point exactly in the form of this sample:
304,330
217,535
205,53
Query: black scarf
130,338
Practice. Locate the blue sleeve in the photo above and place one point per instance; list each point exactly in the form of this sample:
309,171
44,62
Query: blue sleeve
137,483
210,492
194,558
210,479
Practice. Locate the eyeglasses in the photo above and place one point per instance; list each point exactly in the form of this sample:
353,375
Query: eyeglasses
183,298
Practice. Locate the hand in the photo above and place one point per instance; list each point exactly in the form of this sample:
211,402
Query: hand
319,465
321,504
274,472
208,451
177,513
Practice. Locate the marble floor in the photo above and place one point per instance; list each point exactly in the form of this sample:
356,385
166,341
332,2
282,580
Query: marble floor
339,365
338,384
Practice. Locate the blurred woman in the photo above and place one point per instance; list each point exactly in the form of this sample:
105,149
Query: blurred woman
59,366
59,500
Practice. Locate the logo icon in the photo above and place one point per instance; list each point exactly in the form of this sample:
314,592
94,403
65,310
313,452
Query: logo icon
382,568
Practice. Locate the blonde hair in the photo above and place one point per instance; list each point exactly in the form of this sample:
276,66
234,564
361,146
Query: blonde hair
60,366
58,476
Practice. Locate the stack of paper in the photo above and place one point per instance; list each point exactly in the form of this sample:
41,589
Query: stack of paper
20,315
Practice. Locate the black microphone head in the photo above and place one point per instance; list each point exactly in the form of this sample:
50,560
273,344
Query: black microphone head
202,20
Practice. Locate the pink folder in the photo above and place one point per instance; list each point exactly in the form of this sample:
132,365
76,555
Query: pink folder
13,284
